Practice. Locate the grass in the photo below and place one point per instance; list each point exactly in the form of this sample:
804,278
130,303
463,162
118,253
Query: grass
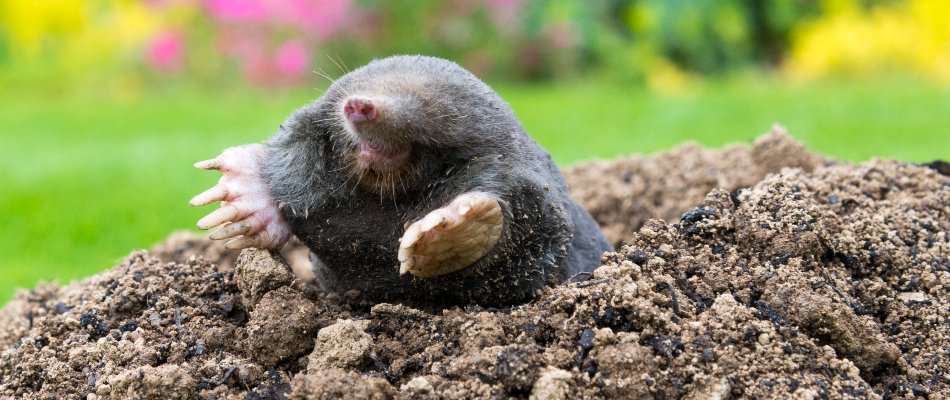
85,181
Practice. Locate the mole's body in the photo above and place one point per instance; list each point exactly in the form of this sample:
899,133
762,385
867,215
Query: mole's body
409,164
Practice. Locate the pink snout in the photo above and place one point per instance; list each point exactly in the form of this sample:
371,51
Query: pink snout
359,110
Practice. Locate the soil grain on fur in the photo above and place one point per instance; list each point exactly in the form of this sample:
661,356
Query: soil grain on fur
778,274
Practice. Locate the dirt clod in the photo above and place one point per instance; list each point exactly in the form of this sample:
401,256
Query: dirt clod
737,278
146,382
282,326
257,272
344,345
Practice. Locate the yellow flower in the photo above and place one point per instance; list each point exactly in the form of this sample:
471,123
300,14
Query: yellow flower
30,23
910,36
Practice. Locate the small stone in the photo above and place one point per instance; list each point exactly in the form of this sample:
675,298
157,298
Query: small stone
605,336
418,385
717,390
912,297
709,355
805,394
632,288
553,384
155,320
103,389
586,341
437,368
763,338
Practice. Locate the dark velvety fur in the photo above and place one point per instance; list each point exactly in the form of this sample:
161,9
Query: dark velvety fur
463,137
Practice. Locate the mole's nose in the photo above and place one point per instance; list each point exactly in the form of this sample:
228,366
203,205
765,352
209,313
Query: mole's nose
359,110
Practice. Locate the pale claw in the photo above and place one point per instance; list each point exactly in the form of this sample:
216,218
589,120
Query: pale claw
217,217
453,237
216,193
213,163
248,209
233,229
260,241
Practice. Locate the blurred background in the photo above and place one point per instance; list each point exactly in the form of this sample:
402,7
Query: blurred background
105,104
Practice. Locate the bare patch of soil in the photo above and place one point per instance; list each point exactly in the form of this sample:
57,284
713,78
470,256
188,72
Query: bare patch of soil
825,280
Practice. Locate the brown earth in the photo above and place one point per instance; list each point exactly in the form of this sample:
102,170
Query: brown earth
827,280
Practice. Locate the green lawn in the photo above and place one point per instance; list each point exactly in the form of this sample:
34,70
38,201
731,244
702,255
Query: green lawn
86,181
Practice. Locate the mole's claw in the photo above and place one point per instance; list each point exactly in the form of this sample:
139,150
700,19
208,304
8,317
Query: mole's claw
432,220
260,240
214,163
239,243
453,237
218,217
404,267
404,254
233,229
411,236
216,193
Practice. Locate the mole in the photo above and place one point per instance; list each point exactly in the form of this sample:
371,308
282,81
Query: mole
410,180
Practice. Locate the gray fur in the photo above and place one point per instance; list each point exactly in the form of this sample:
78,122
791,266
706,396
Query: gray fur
463,137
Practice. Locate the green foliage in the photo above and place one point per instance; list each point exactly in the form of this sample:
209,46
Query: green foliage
713,36
128,47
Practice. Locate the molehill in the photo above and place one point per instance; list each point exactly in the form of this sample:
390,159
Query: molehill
820,280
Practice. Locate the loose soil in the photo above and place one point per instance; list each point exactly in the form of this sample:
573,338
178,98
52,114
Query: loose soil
821,280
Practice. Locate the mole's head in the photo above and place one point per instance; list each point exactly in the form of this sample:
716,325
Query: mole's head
398,117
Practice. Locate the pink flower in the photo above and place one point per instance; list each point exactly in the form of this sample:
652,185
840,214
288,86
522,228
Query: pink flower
166,51
561,36
257,69
504,4
322,18
292,59
237,10
504,13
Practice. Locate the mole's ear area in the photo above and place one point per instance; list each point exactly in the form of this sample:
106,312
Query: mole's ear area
453,237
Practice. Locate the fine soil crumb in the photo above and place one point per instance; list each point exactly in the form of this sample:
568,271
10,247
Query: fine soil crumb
824,280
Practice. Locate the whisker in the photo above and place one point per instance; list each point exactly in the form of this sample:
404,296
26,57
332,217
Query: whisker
393,188
359,179
337,64
323,74
344,64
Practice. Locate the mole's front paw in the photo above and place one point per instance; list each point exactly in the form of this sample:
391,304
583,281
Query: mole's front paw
452,237
245,201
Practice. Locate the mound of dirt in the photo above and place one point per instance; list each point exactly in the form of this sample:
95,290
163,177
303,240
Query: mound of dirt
822,281
624,194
